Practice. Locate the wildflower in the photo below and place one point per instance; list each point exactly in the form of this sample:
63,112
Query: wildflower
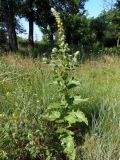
54,50
58,19
76,54
44,59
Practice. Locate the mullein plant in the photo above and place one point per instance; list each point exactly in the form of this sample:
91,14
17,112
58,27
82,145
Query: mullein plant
65,113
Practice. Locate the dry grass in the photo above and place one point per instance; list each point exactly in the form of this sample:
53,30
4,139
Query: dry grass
18,61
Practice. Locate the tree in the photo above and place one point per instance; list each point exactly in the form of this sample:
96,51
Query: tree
27,10
106,28
98,28
113,29
8,10
3,39
116,20
70,12
45,19
108,5
34,11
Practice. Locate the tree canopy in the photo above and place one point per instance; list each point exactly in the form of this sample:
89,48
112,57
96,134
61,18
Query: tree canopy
103,30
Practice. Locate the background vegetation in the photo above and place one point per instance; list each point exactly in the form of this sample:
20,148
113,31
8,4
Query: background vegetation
86,34
33,109
25,94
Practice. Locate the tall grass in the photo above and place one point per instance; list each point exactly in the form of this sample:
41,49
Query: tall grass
101,81
25,92
24,95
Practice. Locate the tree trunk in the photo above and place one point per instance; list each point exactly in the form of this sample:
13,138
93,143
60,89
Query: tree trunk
31,26
12,37
31,29
10,24
50,37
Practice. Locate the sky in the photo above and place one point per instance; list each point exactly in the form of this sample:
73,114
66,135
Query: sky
93,7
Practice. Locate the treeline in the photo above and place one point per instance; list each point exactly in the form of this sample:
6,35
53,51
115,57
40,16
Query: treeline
103,31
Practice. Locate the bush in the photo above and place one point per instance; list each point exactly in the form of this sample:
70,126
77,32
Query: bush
114,51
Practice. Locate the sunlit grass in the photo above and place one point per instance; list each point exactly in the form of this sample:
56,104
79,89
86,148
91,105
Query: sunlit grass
25,92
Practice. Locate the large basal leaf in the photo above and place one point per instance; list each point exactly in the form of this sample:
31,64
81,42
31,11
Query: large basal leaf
67,142
78,100
74,117
81,117
64,131
73,84
55,106
70,118
53,116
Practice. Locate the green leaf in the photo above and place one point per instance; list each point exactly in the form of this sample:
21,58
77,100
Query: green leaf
65,131
81,117
60,121
78,100
55,106
67,142
73,84
74,117
69,100
54,83
71,118
53,116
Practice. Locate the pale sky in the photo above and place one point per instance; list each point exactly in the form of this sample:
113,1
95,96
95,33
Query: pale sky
93,7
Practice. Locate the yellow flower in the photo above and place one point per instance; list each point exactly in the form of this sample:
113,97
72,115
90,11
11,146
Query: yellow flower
58,19
53,10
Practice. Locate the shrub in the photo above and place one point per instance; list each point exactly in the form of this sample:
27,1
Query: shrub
111,51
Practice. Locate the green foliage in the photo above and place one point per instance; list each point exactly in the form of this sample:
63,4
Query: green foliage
65,113
111,51
25,96
22,101
69,10
100,80
42,113
67,141
105,28
8,11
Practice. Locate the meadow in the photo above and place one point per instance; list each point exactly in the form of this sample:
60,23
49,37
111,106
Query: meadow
25,93
59,96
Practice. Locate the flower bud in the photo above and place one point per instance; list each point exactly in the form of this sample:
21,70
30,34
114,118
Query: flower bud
76,54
